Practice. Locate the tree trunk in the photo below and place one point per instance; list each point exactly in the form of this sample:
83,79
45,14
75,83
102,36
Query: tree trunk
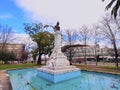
85,54
113,40
96,59
116,55
5,62
116,52
70,55
116,59
39,59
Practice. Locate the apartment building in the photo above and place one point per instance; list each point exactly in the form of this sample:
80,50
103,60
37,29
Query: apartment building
15,48
85,51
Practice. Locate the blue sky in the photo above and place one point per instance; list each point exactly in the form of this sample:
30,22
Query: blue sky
12,15
71,15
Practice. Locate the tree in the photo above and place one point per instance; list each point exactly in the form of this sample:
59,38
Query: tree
6,34
34,53
24,56
71,37
115,7
84,36
6,56
43,39
109,31
29,44
96,38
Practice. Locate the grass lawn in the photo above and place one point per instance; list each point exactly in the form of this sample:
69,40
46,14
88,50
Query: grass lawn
16,66
104,69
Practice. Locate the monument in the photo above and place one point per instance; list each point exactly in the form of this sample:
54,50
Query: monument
58,68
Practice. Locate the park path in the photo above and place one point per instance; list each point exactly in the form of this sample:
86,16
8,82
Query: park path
4,80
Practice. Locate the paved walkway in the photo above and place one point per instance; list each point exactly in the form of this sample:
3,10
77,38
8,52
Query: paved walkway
4,81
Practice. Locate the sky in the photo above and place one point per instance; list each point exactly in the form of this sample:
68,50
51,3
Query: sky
71,14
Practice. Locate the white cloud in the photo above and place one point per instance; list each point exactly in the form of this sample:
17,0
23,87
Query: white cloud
22,39
70,13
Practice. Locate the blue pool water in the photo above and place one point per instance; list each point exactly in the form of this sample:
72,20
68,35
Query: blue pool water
27,79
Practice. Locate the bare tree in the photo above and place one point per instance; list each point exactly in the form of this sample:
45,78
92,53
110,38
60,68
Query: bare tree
117,22
96,38
84,36
71,36
110,33
29,44
5,35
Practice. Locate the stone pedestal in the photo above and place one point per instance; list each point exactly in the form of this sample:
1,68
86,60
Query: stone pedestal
58,67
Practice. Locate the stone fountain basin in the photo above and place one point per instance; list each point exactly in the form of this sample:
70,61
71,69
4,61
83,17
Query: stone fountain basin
58,74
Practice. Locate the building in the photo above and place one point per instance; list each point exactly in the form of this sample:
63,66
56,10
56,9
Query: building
17,49
85,51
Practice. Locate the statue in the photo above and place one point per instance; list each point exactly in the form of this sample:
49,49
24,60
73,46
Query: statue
57,27
58,66
57,58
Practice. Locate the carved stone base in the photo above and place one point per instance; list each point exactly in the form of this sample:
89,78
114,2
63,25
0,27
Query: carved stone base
57,59
58,70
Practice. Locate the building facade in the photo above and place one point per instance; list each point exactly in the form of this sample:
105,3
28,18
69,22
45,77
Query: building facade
85,51
17,49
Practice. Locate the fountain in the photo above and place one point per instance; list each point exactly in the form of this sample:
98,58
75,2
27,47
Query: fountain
58,67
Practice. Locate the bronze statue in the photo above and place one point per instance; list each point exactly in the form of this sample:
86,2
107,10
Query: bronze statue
57,27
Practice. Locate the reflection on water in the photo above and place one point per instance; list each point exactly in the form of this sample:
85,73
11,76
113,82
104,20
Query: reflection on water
27,79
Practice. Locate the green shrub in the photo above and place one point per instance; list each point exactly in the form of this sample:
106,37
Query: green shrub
6,56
